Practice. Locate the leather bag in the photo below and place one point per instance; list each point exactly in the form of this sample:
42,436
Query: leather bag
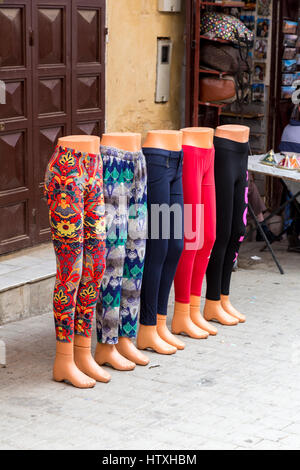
223,57
217,90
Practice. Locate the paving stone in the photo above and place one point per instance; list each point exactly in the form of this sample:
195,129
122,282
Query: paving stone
292,429
267,445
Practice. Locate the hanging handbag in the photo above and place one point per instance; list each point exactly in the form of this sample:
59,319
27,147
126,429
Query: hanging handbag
217,90
223,57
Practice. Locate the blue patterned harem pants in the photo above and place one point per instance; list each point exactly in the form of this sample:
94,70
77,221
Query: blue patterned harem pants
125,194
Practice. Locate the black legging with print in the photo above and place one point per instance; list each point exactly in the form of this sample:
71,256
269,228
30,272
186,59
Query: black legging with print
231,179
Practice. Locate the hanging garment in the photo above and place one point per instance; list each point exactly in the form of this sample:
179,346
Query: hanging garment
255,198
200,220
74,191
165,231
125,193
290,140
231,177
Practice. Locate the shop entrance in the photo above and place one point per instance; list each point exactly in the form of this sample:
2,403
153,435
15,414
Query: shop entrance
52,72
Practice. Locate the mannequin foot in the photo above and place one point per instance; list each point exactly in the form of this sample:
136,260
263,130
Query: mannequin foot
148,338
85,361
213,311
65,369
229,308
198,319
182,323
165,334
127,349
108,354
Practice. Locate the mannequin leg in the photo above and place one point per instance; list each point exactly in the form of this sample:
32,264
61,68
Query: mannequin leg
237,236
85,361
166,334
148,338
88,292
108,312
182,323
208,200
128,350
193,171
156,254
116,192
175,249
225,183
134,267
198,318
213,311
67,218
109,355
229,308
65,369
148,334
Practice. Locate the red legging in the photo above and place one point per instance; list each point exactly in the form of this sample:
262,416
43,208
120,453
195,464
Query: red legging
198,189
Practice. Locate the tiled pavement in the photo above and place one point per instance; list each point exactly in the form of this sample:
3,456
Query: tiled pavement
239,390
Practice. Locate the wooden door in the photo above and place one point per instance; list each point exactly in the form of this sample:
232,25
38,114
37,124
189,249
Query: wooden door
52,63
17,189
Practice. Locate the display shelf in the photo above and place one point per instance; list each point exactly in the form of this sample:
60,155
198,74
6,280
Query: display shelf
223,41
198,11
211,71
215,105
246,116
224,4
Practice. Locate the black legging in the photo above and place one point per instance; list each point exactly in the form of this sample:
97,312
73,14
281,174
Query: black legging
231,178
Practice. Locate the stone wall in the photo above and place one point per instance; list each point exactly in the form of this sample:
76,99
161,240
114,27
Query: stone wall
133,29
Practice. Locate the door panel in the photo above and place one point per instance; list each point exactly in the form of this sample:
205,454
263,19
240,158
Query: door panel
15,103
18,214
16,161
12,20
12,175
89,26
52,94
51,34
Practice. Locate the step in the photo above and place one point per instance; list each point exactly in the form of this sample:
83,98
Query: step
26,283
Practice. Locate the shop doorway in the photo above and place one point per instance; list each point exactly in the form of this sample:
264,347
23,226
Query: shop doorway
52,66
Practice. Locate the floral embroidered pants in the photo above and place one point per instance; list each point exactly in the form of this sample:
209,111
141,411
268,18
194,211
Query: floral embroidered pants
74,191
125,192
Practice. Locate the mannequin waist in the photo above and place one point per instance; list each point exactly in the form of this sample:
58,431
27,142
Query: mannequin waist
222,143
121,154
162,157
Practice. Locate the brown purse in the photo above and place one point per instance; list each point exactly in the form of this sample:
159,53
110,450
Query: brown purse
217,90
223,57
